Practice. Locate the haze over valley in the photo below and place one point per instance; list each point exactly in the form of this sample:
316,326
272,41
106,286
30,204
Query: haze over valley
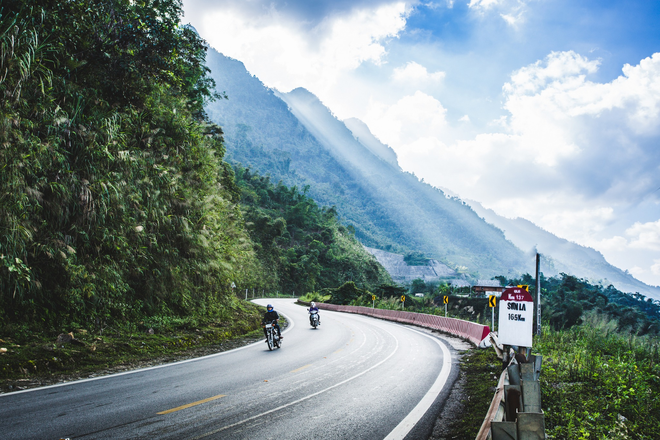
294,138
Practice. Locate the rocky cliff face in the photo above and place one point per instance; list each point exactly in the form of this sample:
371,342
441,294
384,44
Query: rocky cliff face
401,272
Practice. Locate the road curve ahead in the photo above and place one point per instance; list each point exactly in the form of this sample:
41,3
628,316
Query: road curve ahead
353,377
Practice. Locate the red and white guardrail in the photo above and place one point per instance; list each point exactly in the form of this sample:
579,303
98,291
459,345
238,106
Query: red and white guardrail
471,331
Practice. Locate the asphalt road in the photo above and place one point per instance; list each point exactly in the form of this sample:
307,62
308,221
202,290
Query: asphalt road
354,377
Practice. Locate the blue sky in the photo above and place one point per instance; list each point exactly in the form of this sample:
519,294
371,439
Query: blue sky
547,110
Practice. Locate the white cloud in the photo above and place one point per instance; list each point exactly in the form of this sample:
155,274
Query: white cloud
572,155
285,54
645,235
511,19
464,118
559,86
656,267
636,271
412,118
483,4
415,73
616,243
511,11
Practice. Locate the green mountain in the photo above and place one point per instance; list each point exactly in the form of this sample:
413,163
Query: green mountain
302,247
295,139
562,256
116,203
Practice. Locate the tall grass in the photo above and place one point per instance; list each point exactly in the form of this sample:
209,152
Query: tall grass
597,383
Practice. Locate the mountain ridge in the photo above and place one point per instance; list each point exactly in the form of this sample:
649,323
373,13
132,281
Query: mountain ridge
294,138
561,255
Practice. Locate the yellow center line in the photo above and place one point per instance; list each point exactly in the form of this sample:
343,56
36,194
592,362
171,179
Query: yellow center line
301,368
199,402
337,351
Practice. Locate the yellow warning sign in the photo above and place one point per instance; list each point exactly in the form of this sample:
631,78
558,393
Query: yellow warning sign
445,300
403,298
373,297
524,286
492,302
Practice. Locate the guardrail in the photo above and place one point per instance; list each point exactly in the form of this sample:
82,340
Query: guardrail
471,331
515,411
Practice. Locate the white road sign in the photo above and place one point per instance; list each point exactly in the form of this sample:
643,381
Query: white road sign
516,318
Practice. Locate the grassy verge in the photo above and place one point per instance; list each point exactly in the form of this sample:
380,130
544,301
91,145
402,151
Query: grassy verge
36,360
480,371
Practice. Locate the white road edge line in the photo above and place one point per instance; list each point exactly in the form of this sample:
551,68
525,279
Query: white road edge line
74,382
306,397
407,424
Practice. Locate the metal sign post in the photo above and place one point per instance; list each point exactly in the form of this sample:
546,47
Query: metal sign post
445,300
492,302
246,294
538,294
403,301
373,299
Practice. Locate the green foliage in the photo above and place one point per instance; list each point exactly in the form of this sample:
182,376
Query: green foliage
301,247
415,259
34,359
114,200
597,383
390,290
316,297
346,293
480,370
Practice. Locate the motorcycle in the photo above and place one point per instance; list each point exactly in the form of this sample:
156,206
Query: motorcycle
314,319
272,336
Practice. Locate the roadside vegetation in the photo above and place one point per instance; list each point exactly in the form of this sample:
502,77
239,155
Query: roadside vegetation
601,350
480,372
32,360
598,382
118,212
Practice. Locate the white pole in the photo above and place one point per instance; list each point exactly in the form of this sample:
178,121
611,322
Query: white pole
492,309
445,310
246,294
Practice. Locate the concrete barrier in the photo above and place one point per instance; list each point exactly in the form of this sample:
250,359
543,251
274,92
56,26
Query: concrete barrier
471,331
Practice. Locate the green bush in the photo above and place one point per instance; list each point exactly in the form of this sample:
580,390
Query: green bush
597,383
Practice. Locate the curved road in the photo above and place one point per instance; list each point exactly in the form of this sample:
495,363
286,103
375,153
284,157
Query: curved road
353,377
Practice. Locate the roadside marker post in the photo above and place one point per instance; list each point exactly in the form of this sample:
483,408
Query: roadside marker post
373,299
492,303
445,300
246,294
403,301
516,318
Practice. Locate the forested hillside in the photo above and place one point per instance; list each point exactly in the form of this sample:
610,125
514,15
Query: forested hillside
302,144
115,200
303,247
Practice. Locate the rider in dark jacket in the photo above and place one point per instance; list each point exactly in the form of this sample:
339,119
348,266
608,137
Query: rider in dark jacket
271,315
311,309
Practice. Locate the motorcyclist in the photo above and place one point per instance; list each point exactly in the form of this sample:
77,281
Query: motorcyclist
311,309
269,316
